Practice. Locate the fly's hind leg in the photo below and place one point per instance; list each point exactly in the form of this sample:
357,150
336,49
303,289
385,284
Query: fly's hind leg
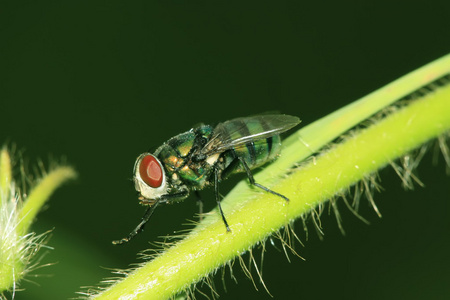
216,191
252,180
200,205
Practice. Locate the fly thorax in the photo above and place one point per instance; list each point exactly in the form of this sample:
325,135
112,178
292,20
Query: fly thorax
194,174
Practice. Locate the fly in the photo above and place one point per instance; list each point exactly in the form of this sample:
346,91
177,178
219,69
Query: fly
204,156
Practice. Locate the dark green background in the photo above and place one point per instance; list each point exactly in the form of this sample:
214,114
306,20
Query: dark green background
99,82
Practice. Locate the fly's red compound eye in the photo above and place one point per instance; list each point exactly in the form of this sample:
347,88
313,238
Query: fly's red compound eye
150,171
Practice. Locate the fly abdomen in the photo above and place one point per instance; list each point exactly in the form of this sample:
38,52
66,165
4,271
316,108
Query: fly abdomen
256,152
259,152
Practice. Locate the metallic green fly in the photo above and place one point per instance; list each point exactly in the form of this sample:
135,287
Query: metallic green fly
204,156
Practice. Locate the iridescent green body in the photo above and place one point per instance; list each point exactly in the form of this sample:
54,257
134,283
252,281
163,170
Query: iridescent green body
175,156
182,169
204,156
256,152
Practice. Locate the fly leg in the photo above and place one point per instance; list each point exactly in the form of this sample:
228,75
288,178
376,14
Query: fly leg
200,205
252,180
148,213
216,191
140,227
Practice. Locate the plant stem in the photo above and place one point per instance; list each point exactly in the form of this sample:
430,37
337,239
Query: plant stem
5,176
17,245
253,216
41,193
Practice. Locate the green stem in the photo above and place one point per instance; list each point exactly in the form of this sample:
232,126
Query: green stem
17,245
5,176
253,215
41,193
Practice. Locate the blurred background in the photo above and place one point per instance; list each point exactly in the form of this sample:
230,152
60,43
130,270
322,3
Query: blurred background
99,82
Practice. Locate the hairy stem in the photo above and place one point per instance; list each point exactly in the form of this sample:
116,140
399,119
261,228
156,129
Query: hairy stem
17,244
40,194
253,215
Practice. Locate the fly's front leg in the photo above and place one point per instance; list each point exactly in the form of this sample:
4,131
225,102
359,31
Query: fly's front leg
148,213
216,191
140,227
252,180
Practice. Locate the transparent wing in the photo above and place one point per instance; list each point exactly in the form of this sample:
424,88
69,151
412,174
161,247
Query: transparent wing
238,132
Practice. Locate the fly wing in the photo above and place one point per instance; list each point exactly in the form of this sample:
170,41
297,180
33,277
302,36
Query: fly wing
238,132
